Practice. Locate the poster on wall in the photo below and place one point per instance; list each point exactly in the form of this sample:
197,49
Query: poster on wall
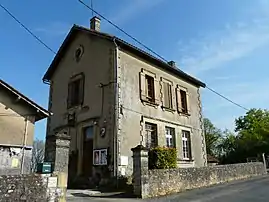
100,157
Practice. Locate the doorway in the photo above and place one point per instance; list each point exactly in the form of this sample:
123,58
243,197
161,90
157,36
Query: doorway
87,151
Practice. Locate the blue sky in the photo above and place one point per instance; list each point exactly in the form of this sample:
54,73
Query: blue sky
223,43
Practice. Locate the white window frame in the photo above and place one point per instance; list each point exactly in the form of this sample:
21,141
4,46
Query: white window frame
187,155
171,137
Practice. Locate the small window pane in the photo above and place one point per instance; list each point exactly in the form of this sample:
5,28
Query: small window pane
89,132
151,135
150,88
186,144
170,137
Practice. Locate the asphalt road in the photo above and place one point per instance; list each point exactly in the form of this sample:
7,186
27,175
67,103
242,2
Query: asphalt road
253,190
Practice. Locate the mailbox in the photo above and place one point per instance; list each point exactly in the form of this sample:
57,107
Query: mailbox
44,168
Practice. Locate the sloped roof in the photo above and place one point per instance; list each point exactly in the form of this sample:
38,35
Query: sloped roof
123,45
41,113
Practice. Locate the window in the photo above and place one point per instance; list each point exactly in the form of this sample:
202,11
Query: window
167,95
184,107
182,100
170,137
79,52
151,135
75,91
150,88
186,144
88,133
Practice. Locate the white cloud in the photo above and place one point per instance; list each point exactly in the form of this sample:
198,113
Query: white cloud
132,9
224,78
54,29
234,41
201,55
247,94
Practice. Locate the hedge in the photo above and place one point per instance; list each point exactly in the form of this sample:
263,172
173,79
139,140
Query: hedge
162,158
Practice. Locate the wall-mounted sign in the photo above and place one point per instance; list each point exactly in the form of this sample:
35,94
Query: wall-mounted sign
100,157
124,160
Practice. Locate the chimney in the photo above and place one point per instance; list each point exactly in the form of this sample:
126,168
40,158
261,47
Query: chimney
95,23
172,63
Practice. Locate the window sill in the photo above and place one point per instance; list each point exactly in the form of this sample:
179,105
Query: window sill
72,108
153,104
184,114
186,160
168,109
75,107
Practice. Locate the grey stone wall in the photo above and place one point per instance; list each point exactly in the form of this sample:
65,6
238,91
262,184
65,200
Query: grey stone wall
151,183
26,188
163,182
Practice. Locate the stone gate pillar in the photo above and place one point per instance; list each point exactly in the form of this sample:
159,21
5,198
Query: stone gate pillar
140,171
57,151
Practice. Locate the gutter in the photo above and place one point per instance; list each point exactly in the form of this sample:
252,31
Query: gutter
116,118
25,137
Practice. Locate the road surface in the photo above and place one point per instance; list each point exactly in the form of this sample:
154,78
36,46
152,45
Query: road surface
256,189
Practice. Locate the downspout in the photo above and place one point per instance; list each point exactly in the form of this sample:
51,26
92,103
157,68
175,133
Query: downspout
24,144
116,118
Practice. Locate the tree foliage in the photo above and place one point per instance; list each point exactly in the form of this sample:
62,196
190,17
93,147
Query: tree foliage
251,138
212,137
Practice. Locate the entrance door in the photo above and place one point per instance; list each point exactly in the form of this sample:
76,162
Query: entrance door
87,151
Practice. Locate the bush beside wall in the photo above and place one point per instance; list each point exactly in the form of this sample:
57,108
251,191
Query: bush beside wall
162,158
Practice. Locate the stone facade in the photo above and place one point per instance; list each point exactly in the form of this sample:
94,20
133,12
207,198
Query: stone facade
152,183
132,107
111,102
39,188
98,106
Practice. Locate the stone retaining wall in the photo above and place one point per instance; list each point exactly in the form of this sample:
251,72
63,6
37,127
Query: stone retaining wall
151,183
163,182
29,188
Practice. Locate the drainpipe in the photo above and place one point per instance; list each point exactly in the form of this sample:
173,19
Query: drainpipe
116,118
24,144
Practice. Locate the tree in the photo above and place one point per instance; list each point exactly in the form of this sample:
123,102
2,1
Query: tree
252,137
253,130
228,147
37,154
212,137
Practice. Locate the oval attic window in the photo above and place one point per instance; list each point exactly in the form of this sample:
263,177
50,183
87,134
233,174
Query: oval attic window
79,52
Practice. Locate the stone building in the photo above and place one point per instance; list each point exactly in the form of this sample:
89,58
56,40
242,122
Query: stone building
18,115
108,96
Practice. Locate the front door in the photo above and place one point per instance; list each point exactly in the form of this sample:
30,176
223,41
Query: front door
87,151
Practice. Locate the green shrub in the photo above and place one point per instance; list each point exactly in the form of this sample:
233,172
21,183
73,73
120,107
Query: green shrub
162,158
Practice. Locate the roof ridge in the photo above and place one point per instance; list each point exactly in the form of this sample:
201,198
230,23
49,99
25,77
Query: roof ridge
125,45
